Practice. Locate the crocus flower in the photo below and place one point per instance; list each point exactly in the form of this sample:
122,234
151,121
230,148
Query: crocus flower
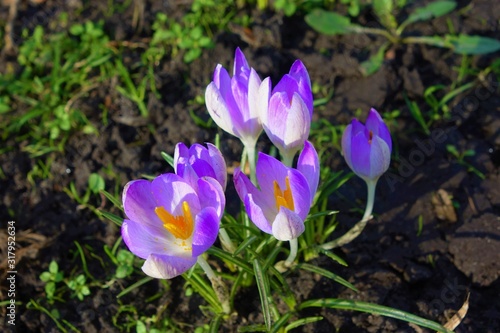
233,103
285,196
287,117
367,148
197,161
169,223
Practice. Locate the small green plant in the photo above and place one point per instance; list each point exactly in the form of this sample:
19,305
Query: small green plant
331,23
191,35
51,278
460,157
125,264
79,286
95,186
38,104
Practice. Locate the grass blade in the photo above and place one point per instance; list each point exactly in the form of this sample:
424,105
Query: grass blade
344,304
263,287
327,274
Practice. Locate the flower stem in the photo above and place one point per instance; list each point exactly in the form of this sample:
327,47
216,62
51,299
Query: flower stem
226,241
293,252
358,227
218,285
287,158
250,149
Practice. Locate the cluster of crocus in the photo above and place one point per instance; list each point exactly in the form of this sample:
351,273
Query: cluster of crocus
174,218
243,105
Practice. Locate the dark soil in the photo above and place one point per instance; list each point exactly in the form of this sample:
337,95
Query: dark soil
427,272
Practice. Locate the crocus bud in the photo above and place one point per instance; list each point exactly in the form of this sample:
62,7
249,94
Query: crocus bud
287,118
233,103
367,148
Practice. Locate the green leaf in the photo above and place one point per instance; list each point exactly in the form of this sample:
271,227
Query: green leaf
383,9
50,289
329,23
434,9
343,304
263,286
191,55
327,274
123,271
53,267
134,286
168,158
374,63
141,327
464,44
302,322
116,202
76,29
125,256
96,183
45,276
115,219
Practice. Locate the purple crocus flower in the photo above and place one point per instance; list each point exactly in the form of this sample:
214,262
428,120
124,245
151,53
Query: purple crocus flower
197,161
169,223
367,148
287,117
233,103
285,196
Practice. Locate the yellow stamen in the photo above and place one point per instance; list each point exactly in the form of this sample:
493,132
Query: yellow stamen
179,226
283,198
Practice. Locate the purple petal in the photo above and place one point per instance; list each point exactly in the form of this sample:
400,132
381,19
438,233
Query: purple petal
268,170
219,164
142,240
357,127
275,122
258,208
257,215
300,192
298,123
254,125
139,203
376,124
240,63
181,155
205,230
287,225
308,165
226,91
211,194
263,100
170,191
240,93
287,85
346,144
380,157
299,72
187,172
360,155
167,267
203,168
218,109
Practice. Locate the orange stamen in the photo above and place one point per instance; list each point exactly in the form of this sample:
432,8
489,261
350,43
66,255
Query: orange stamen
180,226
370,137
283,198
